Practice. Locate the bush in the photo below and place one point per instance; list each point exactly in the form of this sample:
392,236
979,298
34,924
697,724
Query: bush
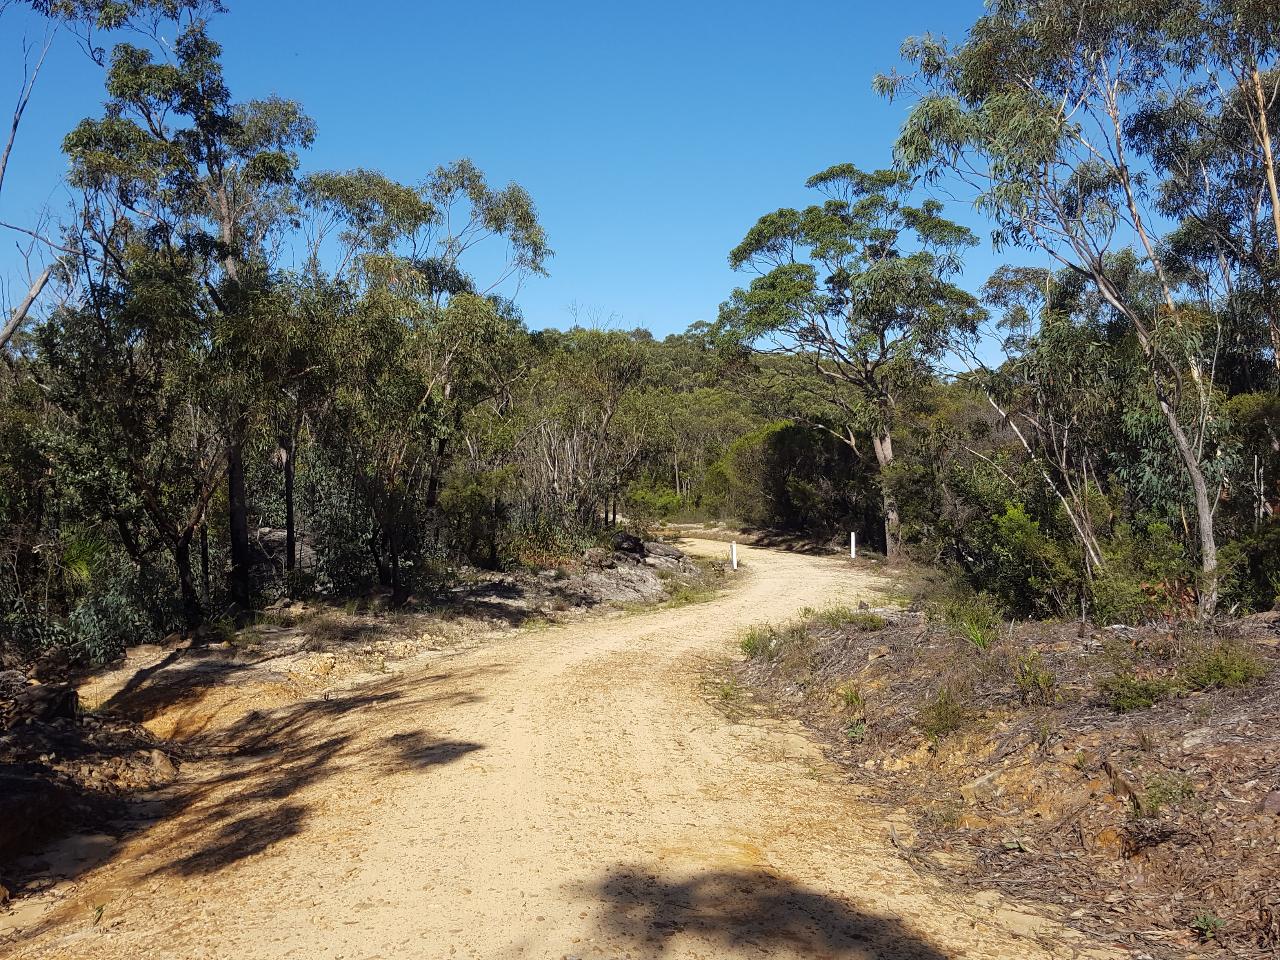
1221,666
943,713
847,618
976,619
765,642
1125,692
1147,576
1036,683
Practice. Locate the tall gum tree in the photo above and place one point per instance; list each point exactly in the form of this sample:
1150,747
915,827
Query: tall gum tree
83,18
1032,113
203,176
858,288
434,339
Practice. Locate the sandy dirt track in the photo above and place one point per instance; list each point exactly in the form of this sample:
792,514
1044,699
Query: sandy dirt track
567,792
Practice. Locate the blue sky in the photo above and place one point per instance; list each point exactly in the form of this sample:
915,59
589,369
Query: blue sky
651,136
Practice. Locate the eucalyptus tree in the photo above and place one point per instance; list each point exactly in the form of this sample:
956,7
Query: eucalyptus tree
858,288
83,17
437,339
1032,114
204,179
131,372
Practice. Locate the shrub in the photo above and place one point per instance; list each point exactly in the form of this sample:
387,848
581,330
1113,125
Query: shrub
766,642
1125,692
847,618
976,619
1036,683
1221,666
1147,576
943,713
851,698
1162,791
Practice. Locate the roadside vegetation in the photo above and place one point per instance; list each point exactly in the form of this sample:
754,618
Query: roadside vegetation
1074,766
232,382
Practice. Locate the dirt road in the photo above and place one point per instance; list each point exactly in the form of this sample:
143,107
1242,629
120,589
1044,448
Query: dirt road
569,792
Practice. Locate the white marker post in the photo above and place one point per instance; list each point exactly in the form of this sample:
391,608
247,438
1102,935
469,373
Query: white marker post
733,554
853,545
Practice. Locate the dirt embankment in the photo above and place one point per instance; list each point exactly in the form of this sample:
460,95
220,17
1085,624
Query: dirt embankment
571,791
1130,778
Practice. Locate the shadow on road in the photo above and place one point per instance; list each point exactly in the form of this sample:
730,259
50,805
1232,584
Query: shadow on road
733,909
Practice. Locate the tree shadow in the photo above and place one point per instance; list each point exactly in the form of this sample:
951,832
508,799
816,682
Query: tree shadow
417,750
241,838
251,791
734,908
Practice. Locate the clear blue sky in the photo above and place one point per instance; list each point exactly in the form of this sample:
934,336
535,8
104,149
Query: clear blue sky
650,135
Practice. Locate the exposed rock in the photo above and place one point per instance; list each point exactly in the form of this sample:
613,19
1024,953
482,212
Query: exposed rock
657,549
598,557
624,542
164,766
40,701
984,788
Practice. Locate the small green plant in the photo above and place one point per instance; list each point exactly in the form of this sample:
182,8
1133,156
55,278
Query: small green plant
976,619
765,641
943,713
689,593
1164,790
1206,926
1125,692
757,641
729,691
847,618
1221,666
1036,682
856,732
851,698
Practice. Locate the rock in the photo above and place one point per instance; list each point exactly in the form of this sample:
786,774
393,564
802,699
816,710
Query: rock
598,557
624,542
42,701
12,682
984,788
165,768
654,548
1271,803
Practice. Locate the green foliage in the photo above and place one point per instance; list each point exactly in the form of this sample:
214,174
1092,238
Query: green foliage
1036,682
944,713
768,642
848,618
1162,791
1207,925
1125,692
976,619
1221,665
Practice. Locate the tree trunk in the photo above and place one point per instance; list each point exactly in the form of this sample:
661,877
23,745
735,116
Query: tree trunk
883,444
1264,138
192,614
290,537
204,559
238,515
1208,593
